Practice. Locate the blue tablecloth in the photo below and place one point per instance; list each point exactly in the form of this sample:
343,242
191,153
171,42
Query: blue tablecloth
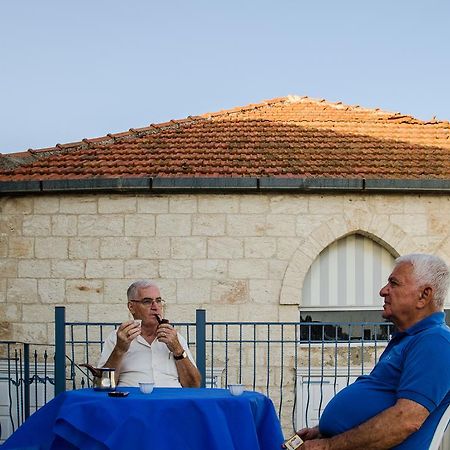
168,418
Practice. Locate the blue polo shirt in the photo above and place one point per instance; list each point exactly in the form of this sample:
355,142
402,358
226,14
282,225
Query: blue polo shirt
415,366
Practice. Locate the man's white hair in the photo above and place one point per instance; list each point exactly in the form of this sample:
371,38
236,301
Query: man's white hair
429,270
139,284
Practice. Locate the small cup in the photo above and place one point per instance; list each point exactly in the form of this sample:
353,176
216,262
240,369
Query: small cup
236,389
146,388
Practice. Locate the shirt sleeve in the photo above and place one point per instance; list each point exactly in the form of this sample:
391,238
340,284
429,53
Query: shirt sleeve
186,348
426,372
108,347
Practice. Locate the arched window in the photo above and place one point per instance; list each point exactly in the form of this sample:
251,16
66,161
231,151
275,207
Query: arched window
347,276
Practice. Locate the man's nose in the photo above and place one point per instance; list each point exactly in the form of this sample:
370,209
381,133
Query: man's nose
383,291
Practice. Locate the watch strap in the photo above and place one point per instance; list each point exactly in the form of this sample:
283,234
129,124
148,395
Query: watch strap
179,357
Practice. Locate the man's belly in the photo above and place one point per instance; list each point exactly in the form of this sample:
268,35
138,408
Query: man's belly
354,405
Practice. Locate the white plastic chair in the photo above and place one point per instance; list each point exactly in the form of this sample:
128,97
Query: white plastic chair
440,430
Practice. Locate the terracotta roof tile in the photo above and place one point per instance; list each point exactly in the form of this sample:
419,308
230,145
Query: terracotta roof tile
287,137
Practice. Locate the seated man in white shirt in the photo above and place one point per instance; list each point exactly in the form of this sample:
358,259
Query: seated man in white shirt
151,352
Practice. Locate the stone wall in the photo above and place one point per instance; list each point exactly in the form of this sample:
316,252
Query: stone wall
241,257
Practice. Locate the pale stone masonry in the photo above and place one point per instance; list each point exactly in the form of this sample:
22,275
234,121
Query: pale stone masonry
241,257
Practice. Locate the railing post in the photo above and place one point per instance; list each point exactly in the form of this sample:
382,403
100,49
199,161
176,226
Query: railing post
60,349
200,333
26,379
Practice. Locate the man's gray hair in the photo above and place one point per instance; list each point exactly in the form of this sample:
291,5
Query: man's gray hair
139,284
429,270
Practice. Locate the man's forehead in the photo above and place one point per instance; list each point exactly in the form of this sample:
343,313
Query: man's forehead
150,291
402,270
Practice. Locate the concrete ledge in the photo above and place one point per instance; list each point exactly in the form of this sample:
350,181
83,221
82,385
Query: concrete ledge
438,186
306,184
224,185
211,184
20,187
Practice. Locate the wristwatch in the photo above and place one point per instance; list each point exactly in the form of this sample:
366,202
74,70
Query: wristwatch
179,357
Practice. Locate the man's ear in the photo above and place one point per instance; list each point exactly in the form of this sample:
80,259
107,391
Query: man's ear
426,297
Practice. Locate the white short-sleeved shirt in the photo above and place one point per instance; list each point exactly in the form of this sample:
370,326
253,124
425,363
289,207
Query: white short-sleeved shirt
144,362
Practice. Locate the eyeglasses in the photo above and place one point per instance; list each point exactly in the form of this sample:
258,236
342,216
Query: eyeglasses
149,301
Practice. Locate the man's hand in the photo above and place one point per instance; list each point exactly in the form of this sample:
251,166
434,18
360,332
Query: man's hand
127,331
309,433
166,333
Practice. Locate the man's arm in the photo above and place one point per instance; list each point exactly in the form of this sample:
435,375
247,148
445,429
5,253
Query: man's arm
125,334
188,374
384,431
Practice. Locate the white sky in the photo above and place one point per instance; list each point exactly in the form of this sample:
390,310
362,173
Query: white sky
80,69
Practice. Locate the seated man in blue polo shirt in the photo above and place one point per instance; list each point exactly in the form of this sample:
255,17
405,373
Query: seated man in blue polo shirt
399,404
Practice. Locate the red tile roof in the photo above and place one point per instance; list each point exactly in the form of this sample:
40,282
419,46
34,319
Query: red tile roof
284,137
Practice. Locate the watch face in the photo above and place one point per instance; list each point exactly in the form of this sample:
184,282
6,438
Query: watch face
182,356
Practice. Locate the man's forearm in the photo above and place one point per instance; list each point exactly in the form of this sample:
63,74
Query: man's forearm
384,431
188,374
115,358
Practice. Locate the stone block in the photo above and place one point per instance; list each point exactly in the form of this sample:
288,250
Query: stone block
260,247
412,224
180,313
175,269
332,204
253,204
173,225
229,292
246,225
140,225
3,289
84,291
183,204
223,204
117,204
209,268
38,313
118,247
277,269
51,247
46,204
33,268
168,289
154,248
102,226
62,268
64,225
52,291
289,313
22,291
36,225
20,247
3,246
154,205
83,204
141,269
116,291
11,225
9,268
29,332
288,204
223,312
248,269
188,248
193,291
10,312
258,312
104,268
16,205
84,248
225,247
76,313
107,313
387,204
208,224
265,292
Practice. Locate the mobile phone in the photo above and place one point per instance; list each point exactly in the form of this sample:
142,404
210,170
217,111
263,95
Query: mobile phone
118,393
293,443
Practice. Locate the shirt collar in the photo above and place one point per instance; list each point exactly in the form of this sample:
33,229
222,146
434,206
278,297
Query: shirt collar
437,318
